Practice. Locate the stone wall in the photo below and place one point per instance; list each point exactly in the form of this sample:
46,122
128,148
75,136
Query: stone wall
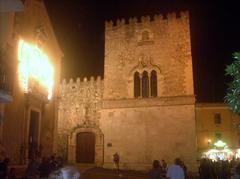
148,132
166,48
78,110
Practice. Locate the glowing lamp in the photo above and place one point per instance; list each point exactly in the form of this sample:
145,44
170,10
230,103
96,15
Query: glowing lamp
34,66
220,144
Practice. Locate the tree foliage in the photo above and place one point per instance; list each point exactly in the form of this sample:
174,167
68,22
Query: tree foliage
232,97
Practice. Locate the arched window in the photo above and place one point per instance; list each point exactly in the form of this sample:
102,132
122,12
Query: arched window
153,83
145,85
136,85
145,35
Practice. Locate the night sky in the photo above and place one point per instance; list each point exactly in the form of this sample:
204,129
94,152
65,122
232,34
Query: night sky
215,35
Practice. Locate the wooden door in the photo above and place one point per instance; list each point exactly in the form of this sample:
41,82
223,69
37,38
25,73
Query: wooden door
85,150
33,142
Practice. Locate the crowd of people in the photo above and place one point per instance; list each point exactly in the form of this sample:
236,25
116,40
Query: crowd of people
40,168
161,170
208,169
221,169
43,166
52,167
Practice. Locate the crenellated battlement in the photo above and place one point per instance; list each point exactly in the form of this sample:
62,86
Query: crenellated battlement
183,15
80,87
78,81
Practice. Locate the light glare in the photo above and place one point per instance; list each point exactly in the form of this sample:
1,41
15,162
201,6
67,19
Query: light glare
34,65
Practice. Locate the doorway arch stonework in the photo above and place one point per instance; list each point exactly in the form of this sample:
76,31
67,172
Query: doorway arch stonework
99,144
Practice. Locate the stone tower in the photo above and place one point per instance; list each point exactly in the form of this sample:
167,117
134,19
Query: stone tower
148,101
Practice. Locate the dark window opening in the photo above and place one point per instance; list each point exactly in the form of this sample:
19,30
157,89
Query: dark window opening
136,84
217,118
218,136
145,36
145,85
153,83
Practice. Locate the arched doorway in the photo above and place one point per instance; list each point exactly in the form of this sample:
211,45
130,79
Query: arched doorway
77,145
85,149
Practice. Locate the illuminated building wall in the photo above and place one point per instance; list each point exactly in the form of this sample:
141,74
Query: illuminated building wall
31,117
149,127
215,121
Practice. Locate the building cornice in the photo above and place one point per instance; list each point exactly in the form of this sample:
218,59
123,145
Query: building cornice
148,102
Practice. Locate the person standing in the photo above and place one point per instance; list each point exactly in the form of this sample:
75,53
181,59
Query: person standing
116,160
184,167
32,169
156,171
175,171
45,168
164,167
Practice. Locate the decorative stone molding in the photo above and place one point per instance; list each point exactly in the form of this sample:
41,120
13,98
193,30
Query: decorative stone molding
145,63
148,102
40,35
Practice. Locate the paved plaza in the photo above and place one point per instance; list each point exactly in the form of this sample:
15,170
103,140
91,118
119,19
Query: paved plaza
100,173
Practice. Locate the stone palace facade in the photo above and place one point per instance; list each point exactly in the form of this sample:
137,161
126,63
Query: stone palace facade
144,109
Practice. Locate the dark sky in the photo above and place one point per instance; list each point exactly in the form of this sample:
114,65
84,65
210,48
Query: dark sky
215,35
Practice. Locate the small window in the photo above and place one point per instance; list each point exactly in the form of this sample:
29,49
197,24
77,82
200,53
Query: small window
145,36
217,118
218,136
145,85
